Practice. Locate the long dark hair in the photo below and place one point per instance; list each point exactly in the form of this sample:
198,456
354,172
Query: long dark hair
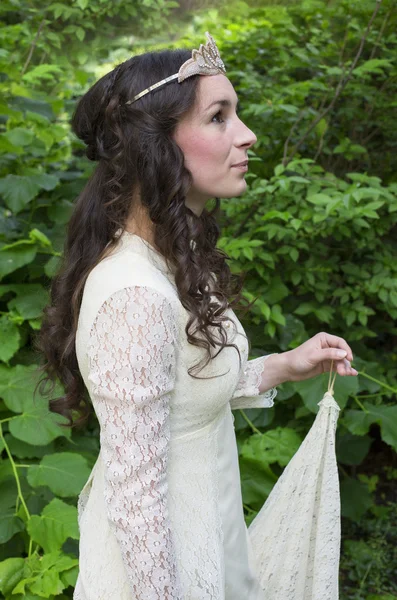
133,146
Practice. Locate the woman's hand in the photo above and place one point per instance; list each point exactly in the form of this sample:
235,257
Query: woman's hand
314,357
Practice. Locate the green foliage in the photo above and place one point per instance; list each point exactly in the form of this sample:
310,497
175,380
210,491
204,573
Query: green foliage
315,235
369,556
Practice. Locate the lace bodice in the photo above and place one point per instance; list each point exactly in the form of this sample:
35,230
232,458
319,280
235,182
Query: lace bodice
131,373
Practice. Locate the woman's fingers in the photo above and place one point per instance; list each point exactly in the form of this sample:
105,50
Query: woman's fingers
344,368
334,341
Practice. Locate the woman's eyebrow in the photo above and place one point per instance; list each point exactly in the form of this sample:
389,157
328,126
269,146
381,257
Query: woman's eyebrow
225,102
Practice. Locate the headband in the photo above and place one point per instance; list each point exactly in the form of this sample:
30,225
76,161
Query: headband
205,61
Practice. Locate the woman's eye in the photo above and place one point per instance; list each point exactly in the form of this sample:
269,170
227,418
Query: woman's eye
216,115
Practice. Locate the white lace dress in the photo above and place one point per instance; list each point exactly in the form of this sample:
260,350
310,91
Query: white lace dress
161,514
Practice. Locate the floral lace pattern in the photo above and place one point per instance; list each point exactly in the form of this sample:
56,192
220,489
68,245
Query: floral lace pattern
132,369
246,394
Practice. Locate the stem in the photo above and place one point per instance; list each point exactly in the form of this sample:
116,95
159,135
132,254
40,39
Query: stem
20,495
381,383
250,423
360,405
248,508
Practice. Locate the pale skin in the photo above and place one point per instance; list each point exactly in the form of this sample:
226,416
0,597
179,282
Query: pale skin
212,140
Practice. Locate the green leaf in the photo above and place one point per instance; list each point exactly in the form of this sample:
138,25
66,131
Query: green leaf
248,253
276,315
69,577
42,72
277,445
10,338
312,390
19,136
305,308
30,301
44,180
355,498
358,422
21,449
11,260
80,33
11,572
10,524
60,212
57,523
36,425
319,199
352,449
16,386
374,65
278,170
65,473
52,266
18,191
257,481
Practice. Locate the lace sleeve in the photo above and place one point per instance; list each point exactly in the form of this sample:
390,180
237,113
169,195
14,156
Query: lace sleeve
246,394
131,373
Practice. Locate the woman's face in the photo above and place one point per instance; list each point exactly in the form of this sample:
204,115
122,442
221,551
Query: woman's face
212,139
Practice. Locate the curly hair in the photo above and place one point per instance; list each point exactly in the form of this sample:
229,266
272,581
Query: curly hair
133,146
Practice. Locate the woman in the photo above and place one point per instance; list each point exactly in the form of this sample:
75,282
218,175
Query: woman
140,318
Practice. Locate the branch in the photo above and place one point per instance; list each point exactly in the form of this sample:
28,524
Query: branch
341,85
385,20
251,211
299,118
32,47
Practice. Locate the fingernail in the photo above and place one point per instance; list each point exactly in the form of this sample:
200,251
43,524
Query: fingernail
341,353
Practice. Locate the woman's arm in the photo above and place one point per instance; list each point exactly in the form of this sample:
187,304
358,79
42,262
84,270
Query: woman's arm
131,374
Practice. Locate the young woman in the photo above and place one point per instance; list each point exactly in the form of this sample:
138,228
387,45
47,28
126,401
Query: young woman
140,318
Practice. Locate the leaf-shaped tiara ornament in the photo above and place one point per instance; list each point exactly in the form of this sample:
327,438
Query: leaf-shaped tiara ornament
205,61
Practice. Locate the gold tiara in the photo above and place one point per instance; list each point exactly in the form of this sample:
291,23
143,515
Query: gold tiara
205,61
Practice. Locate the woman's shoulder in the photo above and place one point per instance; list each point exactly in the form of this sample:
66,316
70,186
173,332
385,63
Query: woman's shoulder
130,263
